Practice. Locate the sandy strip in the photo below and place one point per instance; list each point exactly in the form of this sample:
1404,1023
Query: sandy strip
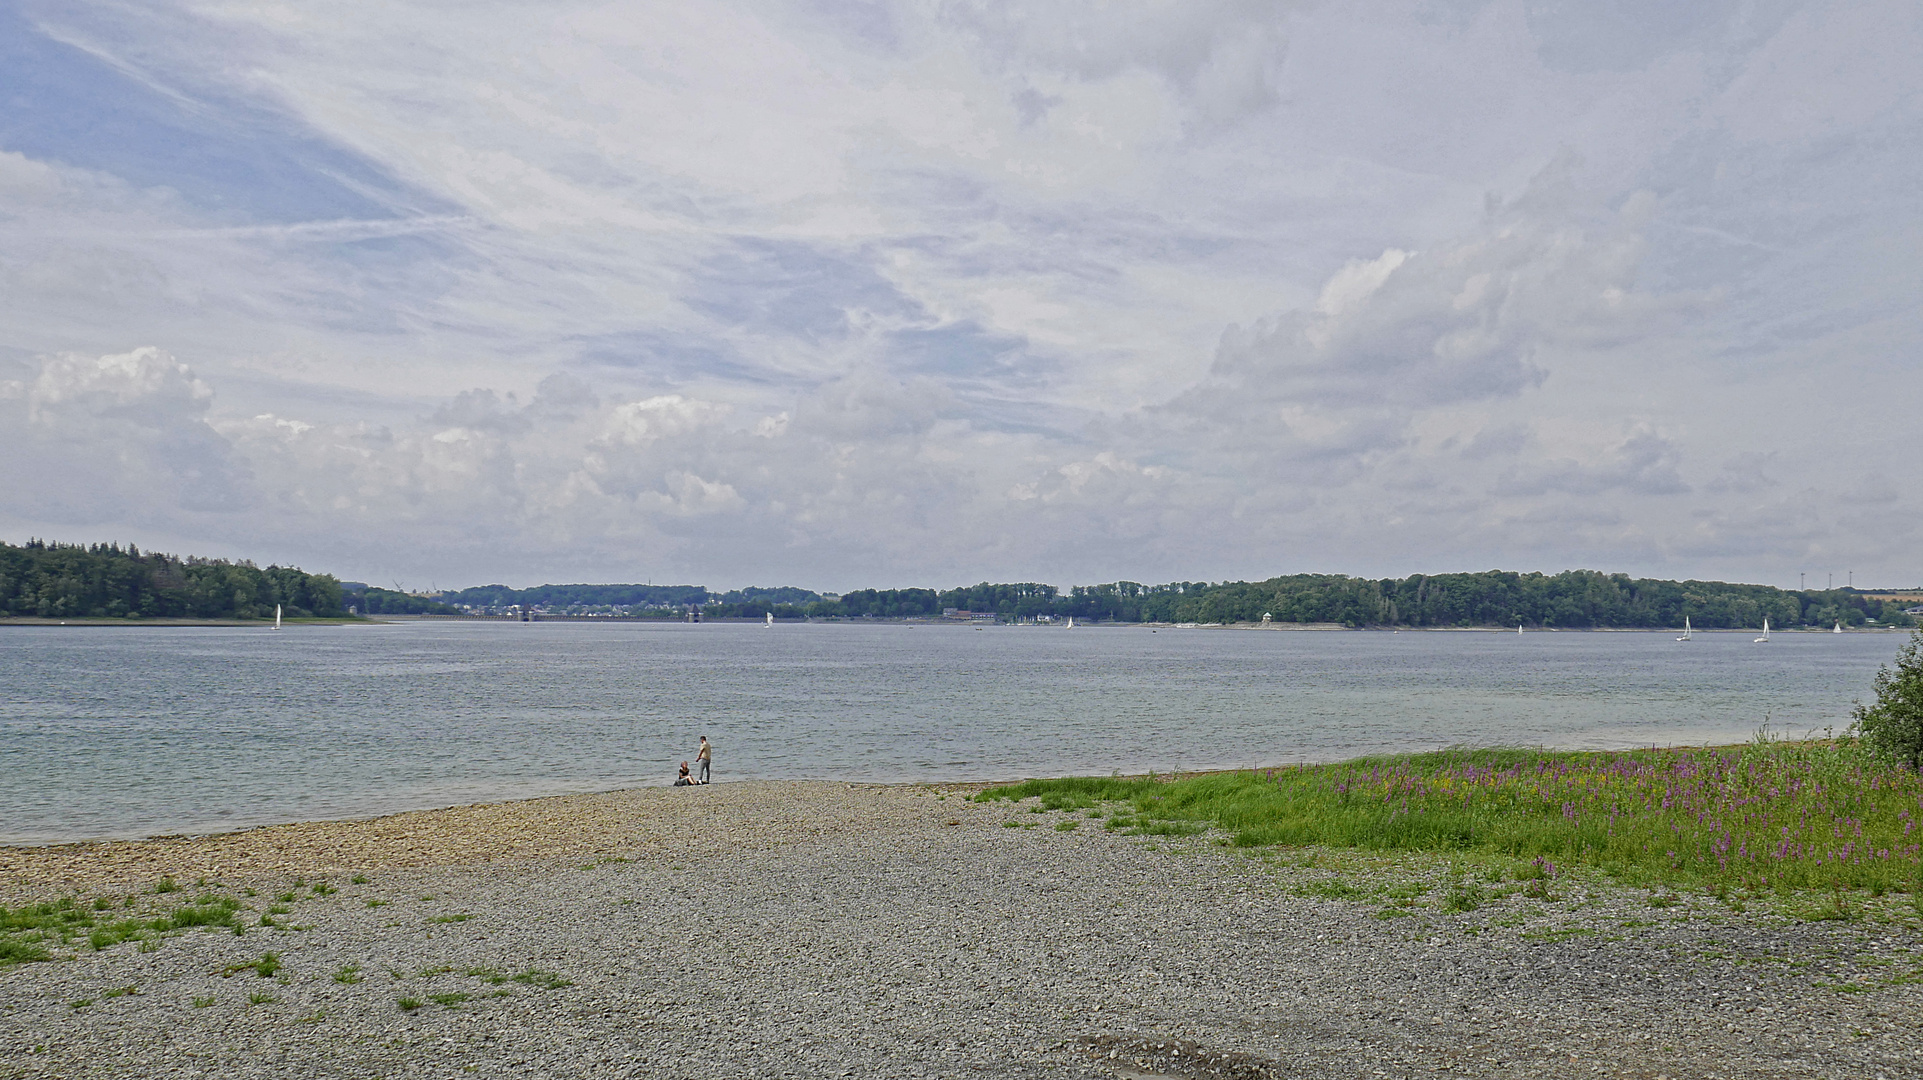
736,816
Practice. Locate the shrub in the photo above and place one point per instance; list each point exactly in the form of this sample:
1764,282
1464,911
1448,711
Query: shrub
1893,727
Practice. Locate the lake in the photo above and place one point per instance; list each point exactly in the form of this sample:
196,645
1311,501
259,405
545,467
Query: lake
139,731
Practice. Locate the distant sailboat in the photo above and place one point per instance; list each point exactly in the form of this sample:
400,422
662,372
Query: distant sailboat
277,616
1764,640
771,619
1071,623
1686,631
1838,629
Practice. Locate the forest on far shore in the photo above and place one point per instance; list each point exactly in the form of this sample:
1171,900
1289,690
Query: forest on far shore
51,580
107,581
1575,599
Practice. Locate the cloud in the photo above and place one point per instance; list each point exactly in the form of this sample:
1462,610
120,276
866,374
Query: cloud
912,291
93,439
1644,462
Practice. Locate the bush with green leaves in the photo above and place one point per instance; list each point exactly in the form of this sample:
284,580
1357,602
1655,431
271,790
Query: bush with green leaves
1893,726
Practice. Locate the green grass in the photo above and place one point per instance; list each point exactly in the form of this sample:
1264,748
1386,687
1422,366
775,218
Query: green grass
1330,889
1766,816
25,932
349,973
460,917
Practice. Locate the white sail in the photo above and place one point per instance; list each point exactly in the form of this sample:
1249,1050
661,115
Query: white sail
1765,637
277,616
771,619
1686,630
1839,628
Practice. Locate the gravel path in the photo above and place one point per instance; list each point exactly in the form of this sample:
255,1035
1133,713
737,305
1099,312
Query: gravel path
764,929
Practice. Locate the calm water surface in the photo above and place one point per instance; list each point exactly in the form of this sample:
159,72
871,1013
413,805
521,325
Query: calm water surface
138,731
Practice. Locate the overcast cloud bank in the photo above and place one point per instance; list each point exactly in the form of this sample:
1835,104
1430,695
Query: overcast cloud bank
854,295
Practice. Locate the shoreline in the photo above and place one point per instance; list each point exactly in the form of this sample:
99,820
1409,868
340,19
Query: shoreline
763,928
516,832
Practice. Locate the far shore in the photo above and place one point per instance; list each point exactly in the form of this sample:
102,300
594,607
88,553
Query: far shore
383,620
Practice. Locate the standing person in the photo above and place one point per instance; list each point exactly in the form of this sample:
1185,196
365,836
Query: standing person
703,757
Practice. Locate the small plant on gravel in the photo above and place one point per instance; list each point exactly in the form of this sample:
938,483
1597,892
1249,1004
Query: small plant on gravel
1538,873
82,1003
286,898
1836,908
1066,826
261,997
486,974
1464,895
348,973
165,885
322,888
203,1002
545,980
18,951
377,903
458,917
266,965
1329,889
448,1000
409,1004
359,879
122,991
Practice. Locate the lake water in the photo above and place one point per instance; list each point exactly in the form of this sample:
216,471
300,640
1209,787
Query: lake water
139,731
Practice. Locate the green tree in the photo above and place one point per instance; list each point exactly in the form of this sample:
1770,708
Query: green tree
1893,726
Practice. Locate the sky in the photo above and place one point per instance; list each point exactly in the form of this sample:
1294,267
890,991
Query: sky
883,294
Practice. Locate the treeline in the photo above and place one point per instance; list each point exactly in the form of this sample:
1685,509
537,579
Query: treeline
368,600
1576,599
61,581
586,597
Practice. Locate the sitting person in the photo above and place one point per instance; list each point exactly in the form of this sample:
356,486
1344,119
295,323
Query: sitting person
684,780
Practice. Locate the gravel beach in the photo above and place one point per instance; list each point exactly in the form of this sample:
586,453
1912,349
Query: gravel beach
809,929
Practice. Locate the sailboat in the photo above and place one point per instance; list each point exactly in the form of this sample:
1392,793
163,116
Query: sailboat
1518,628
1686,631
1838,629
277,616
1764,640
1071,623
771,619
